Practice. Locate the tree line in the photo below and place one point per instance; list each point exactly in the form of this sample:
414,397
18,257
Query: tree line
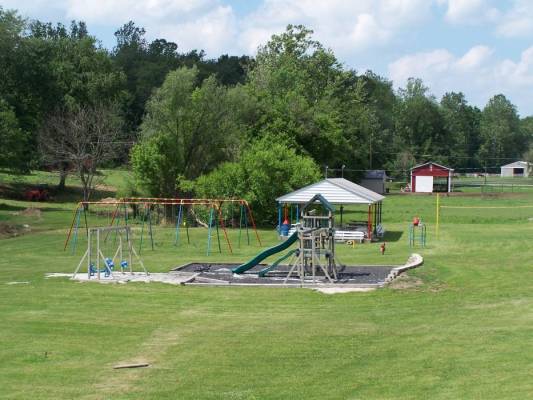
231,126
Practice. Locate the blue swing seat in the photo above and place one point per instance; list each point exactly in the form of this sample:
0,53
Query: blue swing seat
93,270
110,264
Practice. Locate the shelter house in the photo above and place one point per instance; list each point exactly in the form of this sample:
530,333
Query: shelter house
339,191
431,177
517,168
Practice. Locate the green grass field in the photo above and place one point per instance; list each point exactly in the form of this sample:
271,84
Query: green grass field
460,327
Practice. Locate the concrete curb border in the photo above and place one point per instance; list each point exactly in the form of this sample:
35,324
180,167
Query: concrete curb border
414,261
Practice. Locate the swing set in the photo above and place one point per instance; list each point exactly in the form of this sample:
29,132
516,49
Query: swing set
179,208
97,256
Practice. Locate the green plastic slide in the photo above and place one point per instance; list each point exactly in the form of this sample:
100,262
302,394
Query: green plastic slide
266,253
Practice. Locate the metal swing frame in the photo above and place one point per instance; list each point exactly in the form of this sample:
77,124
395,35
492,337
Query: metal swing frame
124,235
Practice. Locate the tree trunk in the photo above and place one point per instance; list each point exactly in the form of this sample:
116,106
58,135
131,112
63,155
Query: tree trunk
169,214
63,173
197,219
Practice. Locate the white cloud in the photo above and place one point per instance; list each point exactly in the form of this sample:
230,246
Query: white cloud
518,21
348,27
477,73
345,26
211,32
469,12
192,24
474,58
118,11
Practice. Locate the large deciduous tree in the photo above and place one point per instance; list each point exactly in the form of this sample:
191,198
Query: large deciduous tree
461,122
85,138
13,140
502,138
419,124
188,130
306,98
294,80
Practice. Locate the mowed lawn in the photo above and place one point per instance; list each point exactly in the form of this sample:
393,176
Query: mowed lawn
460,327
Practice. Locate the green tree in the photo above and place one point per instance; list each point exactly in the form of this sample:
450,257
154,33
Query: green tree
267,169
187,131
295,81
461,122
502,139
79,73
380,101
51,67
146,64
13,141
419,124
526,126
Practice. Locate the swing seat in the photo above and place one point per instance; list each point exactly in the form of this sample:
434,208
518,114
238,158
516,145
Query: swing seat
124,264
93,270
109,263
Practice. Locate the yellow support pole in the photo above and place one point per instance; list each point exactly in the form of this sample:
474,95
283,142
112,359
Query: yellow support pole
437,217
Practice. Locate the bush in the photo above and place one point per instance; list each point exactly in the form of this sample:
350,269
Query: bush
267,169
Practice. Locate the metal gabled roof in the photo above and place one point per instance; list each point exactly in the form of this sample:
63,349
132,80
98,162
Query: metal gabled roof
433,163
322,200
515,164
335,191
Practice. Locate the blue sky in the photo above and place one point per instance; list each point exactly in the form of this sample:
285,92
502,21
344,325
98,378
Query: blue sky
479,47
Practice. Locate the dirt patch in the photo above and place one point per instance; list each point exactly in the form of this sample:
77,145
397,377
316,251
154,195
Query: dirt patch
32,212
405,281
108,200
8,230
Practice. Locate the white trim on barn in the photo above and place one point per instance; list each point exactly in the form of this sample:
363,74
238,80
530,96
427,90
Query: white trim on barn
432,163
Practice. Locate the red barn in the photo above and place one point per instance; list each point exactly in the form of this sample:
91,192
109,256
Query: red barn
431,177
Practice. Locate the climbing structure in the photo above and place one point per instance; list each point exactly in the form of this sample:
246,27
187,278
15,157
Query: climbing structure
417,235
315,256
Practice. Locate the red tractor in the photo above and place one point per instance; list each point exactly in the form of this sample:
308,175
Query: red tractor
36,194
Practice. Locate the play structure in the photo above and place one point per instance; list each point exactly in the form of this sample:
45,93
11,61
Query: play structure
314,257
417,233
176,212
108,247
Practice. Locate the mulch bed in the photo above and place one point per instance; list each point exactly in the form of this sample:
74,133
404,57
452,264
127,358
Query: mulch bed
350,275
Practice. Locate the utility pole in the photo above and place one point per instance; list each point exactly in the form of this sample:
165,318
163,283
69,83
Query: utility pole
370,152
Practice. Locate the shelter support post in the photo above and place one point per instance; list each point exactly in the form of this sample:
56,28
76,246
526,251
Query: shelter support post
369,227
279,218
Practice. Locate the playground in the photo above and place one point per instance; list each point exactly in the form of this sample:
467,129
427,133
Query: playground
313,262
440,331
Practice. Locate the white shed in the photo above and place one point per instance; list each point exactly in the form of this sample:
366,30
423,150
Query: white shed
517,168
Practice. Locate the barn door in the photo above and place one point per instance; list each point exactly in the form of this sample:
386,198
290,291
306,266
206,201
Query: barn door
424,184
